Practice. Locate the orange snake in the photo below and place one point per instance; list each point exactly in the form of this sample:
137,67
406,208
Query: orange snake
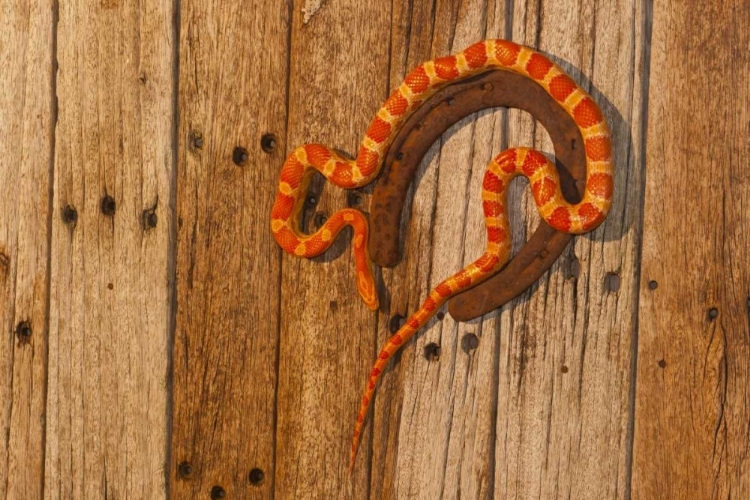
418,86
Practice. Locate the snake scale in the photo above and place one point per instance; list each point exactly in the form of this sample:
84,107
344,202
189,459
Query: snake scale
418,86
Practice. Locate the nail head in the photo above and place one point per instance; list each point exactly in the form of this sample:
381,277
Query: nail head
185,470
320,219
240,156
256,476
217,492
268,143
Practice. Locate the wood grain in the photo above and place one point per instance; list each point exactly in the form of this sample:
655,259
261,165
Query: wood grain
532,421
233,70
109,312
26,141
692,438
337,82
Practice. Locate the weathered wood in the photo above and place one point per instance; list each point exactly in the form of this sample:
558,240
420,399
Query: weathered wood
693,409
109,313
233,70
565,403
476,423
337,82
26,125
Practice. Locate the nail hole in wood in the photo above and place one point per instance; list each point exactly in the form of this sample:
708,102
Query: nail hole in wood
150,219
256,476
111,286
575,268
23,332
217,492
451,101
108,205
662,363
432,351
612,282
653,285
185,470
395,323
312,201
440,315
4,262
334,305
268,143
469,342
240,156
564,369
196,140
70,215
400,155
713,313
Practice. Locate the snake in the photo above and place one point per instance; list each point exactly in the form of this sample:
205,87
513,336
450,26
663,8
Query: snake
418,86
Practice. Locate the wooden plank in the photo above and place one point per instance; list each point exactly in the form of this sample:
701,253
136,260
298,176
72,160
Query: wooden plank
26,142
542,407
692,412
110,302
567,350
338,80
233,70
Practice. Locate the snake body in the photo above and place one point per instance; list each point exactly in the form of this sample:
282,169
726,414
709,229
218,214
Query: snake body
418,86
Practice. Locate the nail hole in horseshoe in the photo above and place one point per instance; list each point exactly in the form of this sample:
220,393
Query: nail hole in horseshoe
319,220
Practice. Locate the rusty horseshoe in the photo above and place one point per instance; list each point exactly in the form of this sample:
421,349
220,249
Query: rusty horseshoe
421,130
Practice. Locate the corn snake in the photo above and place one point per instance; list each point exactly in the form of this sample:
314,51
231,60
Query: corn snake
418,86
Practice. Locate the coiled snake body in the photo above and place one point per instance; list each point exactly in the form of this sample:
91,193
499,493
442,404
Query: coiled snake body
418,86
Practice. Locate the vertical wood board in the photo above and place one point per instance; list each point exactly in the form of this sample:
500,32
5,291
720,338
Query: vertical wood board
692,437
233,72
110,301
26,142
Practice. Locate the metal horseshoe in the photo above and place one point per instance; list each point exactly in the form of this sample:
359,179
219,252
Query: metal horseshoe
424,127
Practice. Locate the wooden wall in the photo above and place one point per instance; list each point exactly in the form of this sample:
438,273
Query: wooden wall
158,344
